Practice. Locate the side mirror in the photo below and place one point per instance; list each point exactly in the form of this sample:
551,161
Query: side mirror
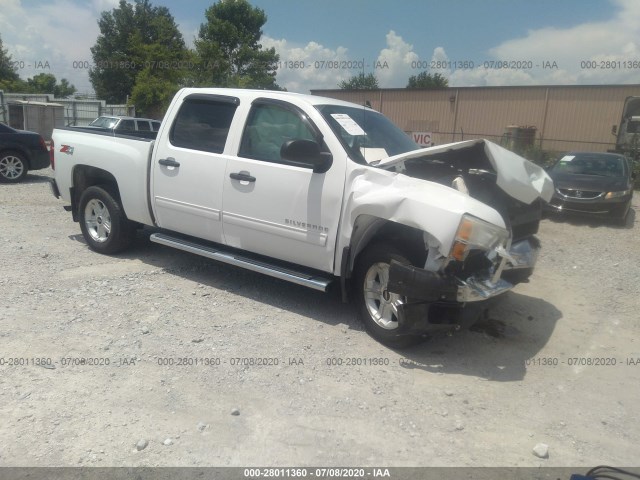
307,154
614,129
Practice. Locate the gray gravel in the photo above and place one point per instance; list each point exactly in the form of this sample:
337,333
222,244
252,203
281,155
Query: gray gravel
169,339
142,444
541,450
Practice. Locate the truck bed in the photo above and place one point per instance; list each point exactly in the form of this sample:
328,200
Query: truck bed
82,152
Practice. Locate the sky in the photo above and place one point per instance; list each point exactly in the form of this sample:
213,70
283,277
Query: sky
321,42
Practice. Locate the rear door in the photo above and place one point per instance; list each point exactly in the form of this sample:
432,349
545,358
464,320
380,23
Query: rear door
189,166
126,126
279,210
143,125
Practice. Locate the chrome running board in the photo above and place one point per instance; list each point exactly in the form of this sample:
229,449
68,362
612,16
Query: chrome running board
305,279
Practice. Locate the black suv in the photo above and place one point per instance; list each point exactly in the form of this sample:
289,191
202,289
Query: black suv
138,127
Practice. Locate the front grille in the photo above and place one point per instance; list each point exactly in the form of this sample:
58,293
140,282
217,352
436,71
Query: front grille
524,219
524,230
579,194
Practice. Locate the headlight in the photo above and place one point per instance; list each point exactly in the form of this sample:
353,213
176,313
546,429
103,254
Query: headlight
611,195
474,233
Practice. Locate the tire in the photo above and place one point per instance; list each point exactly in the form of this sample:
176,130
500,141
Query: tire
13,167
621,220
104,225
377,308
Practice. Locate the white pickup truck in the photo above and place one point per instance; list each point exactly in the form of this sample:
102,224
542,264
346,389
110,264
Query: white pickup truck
317,192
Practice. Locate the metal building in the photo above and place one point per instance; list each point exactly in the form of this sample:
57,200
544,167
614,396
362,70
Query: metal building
556,118
77,111
37,117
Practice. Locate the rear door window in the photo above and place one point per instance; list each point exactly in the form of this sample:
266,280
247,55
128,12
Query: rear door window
126,125
203,124
143,125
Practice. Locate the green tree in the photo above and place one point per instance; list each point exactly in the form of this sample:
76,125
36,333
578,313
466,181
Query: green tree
138,43
9,79
64,89
228,48
156,84
427,80
360,82
152,93
41,83
47,83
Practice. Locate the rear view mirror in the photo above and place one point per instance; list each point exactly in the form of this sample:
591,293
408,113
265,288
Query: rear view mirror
306,153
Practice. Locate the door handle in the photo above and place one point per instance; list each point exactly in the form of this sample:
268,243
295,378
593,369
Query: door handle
169,162
243,177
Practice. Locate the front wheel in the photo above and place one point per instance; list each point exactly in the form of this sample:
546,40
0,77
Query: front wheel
103,223
621,219
13,167
379,308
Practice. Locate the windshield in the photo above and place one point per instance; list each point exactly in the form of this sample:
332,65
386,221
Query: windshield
367,135
105,122
601,165
633,126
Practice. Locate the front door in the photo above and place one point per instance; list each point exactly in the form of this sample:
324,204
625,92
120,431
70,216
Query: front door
271,208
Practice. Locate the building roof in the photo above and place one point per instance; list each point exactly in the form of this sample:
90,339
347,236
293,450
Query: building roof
478,87
29,102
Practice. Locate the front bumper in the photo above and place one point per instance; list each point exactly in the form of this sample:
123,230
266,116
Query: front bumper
524,254
589,206
441,303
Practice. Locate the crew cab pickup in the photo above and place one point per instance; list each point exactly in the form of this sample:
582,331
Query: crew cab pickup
317,192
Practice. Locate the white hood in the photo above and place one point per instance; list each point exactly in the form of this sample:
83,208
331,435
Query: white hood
517,176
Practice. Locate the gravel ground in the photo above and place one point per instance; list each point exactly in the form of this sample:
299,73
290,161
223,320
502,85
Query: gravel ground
484,397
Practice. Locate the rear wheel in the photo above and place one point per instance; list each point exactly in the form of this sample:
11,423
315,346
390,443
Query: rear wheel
13,167
103,223
378,308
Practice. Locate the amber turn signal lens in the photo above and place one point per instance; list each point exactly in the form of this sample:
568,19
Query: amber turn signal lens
465,230
459,251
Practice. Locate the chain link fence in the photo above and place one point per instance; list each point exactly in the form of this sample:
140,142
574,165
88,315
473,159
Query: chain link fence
4,113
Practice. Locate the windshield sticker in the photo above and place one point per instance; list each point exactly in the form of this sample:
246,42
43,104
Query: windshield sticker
373,154
348,123
567,158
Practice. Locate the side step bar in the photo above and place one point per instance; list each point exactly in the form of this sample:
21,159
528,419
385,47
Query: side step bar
300,278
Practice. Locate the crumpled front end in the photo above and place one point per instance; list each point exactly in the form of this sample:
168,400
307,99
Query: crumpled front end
486,257
457,296
478,207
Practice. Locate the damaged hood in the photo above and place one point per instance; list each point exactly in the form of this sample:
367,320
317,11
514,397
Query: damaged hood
426,206
517,176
